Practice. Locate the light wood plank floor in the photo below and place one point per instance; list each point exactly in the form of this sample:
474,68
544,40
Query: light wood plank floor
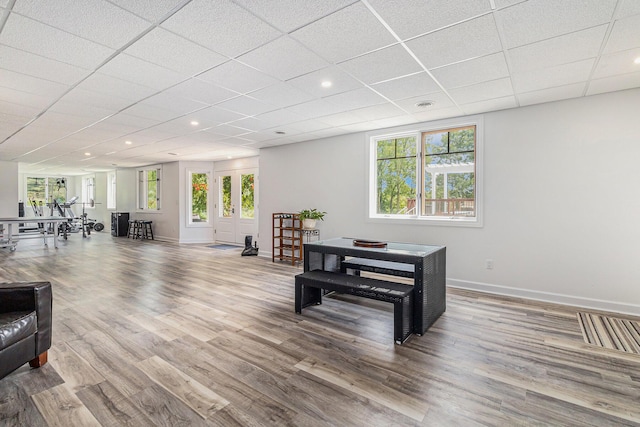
150,333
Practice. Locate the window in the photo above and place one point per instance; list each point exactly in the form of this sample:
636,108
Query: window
199,197
248,192
427,174
88,190
149,188
111,190
43,190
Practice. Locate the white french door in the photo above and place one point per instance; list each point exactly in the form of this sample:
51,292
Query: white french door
235,205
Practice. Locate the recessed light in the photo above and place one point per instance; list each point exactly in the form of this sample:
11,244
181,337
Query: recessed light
637,60
326,83
87,154
425,104
128,142
229,157
194,123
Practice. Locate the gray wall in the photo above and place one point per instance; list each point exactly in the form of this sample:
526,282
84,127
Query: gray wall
561,206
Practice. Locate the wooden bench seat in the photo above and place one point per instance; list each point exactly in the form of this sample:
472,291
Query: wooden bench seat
309,284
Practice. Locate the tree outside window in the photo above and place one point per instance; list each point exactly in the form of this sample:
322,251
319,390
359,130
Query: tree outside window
248,192
199,197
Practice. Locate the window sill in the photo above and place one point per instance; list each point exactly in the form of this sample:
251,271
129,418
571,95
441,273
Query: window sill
438,222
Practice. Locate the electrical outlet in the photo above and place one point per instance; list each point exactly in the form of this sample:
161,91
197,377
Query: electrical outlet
488,264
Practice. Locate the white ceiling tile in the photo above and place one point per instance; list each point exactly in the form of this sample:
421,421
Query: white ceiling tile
314,109
217,25
405,87
136,70
283,58
32,85
409,18
312,82
378,112
211,116
537,20
176,53
354,23
551,77
238,77
471,39
151,10
150,112
250,123
22,110
52,43
391,121
482,91
129,123
558,50
93,20
355,99
342,119
246,105
617,63
310,125
490,105
628,8
281,95
552,94
382,65
82,110
500,4
288,15
201,91
613,83
13,96
440,100
490,67
625,34
278,117
113,86
38,66
80,96
227,130
174,103
442,113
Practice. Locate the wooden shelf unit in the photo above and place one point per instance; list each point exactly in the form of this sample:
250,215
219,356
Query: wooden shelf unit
287,237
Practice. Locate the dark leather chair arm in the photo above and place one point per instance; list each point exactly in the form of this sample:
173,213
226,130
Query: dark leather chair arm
29,296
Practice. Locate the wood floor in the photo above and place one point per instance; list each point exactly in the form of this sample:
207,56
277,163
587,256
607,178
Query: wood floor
149,333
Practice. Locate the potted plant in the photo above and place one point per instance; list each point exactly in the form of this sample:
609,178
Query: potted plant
310,216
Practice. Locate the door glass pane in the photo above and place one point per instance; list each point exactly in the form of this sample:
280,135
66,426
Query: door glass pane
199,200
247,196
225,196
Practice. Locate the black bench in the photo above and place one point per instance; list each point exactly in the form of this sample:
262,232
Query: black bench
377,266
309,286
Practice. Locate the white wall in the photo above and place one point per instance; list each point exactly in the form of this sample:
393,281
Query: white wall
561,209
9,190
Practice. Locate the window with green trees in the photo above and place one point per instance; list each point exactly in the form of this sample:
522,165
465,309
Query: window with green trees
199,197
247,184
428,174
43,190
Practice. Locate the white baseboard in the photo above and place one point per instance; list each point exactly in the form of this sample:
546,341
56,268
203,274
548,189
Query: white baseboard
582,302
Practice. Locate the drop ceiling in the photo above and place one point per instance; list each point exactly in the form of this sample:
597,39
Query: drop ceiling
93,85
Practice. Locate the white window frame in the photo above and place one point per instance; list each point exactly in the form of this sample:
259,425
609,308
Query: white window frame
111,190
88,191
143,189
189,194
416,131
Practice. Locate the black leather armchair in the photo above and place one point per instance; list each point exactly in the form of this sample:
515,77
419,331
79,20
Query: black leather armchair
25,324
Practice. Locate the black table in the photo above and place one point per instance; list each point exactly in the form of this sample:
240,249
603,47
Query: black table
429,270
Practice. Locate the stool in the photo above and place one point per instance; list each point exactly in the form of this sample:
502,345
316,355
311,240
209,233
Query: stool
145,230
132,231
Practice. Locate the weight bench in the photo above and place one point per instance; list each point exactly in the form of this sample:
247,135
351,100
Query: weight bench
309,285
